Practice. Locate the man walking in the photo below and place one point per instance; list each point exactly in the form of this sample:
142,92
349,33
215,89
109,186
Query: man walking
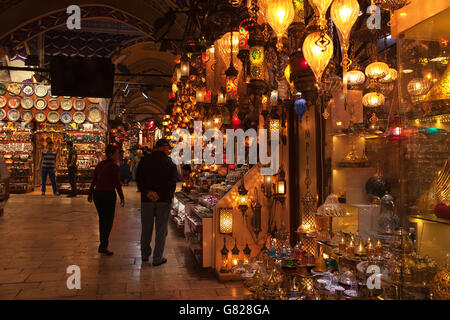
72,168
48,163
156,178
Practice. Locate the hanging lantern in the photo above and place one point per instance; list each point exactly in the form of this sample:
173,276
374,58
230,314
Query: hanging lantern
235,254
344,14
280,14
199,96
178,72
418,86
247,252
300,107
355,77
221,99
274,98
392,75
243,38
317,56
256,63
184,67
224,253
377,70
232,83
223,47
373,99
321,7
226,220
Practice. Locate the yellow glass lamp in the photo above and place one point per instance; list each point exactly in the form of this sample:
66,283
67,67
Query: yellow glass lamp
225,44
247,252
373,99
279,15
185,67
199,96
355,77
392,75
243,198
226,220
317,55
224,253
377,70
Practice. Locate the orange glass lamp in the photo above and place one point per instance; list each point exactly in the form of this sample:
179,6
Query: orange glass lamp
226,220
279,15
235,255
224,253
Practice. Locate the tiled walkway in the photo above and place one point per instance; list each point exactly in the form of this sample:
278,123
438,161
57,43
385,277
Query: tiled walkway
41,236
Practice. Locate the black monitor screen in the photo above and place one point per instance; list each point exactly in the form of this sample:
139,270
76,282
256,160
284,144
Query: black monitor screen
81,77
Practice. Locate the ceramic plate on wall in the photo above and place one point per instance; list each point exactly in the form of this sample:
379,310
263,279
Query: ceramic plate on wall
40,116
53,104
14,102
27,116
40,104
95,114
28,90
15,88
2,114
53,117
27,103
95,100
13,115
79,117
2,89
66,104
3,101
79,105
66,117
41,91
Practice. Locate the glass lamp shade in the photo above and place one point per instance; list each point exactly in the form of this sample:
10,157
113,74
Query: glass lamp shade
274,124
243,200
392,75
223,47
355,77
231,84
226,220
321,6
200,96
279,15
221,98
373,99
185,68
377,70
274,98
344,14
418,86
317,56
281,187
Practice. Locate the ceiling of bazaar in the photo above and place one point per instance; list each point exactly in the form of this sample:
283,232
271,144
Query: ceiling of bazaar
141,36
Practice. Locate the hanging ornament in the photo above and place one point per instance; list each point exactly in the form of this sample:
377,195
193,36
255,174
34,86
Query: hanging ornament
418,86
355,77
316,54
392,75
321,7
279,15
373,99
300,107
377,70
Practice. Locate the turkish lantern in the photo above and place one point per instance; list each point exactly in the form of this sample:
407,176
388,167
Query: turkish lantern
321,7
316,55
373,99
377,70
279,15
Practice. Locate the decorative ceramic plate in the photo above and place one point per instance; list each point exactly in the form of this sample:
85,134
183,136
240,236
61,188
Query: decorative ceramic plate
28,90
2,114
66,104
95,100
67,97
13,115
79,105
53,117
41,91
40,104
3,101
27,103
79,117
53,104
14,102
27,116
40,116
2,89
66,117
15,88
94,114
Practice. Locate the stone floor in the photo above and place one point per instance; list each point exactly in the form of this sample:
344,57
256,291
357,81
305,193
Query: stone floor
40,236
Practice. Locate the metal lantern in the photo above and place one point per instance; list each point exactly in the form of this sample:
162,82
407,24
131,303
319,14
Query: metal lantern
247,252
377,70
373,99
184,67
226,220
224,252
392,75
418,86
243,198
200,95
232,83
235,254
355,77
256,62
279,15
316,55
274,98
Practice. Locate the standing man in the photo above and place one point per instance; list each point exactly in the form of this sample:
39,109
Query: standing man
156,178
48,164
72,168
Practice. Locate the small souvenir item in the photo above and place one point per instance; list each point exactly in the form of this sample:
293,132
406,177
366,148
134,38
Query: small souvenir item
66,104
361,249
53,117
41,91
14,102
66,117
27,116
15,88
40,116
369,247
2,114
28,90
53,104
13,115
351,248
94,114
79,117
27,103
379,248
79,104
342,245
3,101
40,104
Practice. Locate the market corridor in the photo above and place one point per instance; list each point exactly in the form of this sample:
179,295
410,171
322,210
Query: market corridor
41,236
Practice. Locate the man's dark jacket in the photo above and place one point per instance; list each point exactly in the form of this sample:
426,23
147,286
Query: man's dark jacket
156,172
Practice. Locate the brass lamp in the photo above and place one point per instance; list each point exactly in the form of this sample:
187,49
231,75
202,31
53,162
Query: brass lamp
235,254
247,251
243,198
184,68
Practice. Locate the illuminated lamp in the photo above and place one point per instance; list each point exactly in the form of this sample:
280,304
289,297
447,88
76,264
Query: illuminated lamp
316,54
224,253
247,252
274,98
279,15
377,70
355,77
321,7
418,86
231,83
226,220
235,254
392,75
373,99
199,96
243,198
280,187
185,67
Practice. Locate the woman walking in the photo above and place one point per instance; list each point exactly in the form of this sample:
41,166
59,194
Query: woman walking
105,183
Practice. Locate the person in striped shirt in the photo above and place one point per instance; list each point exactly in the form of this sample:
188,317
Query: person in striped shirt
48,163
